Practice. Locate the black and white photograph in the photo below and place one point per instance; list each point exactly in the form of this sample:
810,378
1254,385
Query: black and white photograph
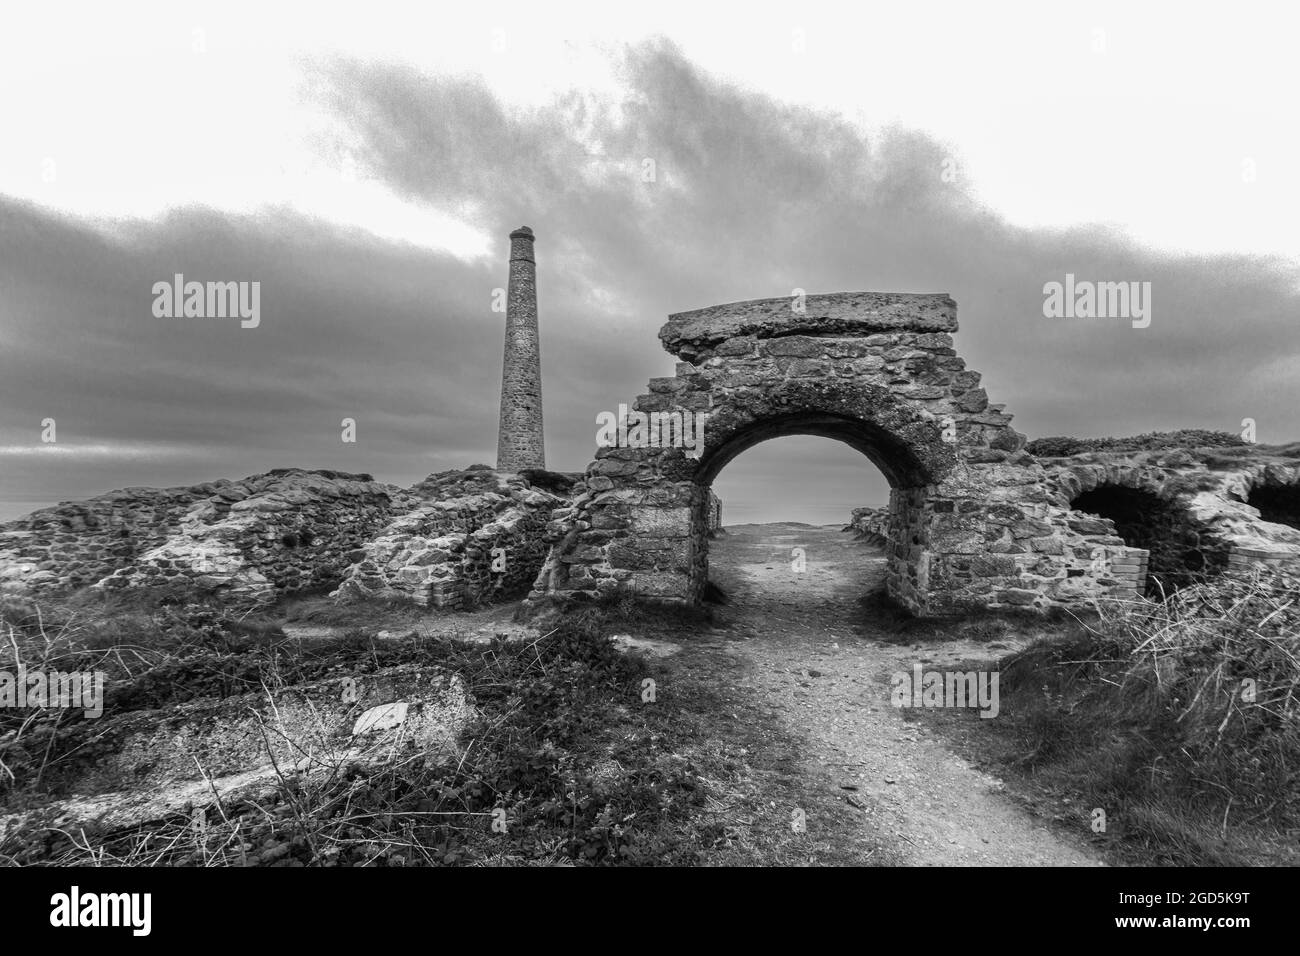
774,436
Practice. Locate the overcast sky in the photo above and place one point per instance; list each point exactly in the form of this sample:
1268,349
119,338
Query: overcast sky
366,164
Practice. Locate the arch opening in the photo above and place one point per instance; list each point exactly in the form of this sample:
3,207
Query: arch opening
902,478
1277,503
895,459
1182,551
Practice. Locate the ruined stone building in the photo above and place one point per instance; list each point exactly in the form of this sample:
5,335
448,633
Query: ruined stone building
974,520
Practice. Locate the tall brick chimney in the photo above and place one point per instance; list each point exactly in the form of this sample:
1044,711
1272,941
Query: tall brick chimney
519,436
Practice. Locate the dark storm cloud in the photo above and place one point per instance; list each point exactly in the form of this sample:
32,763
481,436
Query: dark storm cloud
395,337
750,198
755,198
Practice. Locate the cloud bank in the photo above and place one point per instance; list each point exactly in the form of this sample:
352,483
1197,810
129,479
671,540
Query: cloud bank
749,197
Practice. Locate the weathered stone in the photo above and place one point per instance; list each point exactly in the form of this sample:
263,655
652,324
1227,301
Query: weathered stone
1049,545
1018,596
743,345
992,565
1031,528
796,346
613,468
661,522
1085,525
844,313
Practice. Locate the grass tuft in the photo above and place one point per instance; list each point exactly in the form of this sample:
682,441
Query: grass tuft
1180,718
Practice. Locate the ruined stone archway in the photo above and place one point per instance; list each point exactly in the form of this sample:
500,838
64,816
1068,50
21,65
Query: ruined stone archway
972,521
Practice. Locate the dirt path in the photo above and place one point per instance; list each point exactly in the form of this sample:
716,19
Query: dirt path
805,645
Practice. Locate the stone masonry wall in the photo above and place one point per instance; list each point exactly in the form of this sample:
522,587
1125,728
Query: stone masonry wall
457,552
1207,488
78,543
869,524
280,532
713,513
290,530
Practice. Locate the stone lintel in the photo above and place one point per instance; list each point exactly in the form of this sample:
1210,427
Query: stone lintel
839,313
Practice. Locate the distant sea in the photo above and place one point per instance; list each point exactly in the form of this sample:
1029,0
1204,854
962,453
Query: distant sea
11,508
805,512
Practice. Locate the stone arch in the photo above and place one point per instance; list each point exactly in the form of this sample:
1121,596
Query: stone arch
1276,496
1149,515
907,447
972,521
1070,481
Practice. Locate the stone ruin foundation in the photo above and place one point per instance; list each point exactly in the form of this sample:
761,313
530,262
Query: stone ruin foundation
1199,512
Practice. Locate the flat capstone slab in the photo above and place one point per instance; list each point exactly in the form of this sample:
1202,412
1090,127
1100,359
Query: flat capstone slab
847,314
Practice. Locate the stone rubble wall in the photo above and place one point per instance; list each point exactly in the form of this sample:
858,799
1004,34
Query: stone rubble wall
288,531
280,532
75,544
457,552
870,525
713,513
1207,487
991,541
873,525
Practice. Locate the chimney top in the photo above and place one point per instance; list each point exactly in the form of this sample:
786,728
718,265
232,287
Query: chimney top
523,232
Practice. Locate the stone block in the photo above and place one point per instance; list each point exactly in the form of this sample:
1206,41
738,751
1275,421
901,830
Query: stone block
661,522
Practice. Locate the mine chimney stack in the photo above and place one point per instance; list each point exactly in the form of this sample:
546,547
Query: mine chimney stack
519,437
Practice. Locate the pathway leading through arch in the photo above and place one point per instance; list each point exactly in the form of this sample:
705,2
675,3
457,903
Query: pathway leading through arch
799,642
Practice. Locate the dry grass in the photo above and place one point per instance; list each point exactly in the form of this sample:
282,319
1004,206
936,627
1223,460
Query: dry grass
563,745
1180,718
1224,655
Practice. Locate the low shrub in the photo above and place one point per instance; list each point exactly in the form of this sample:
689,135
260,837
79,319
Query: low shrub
1062,447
